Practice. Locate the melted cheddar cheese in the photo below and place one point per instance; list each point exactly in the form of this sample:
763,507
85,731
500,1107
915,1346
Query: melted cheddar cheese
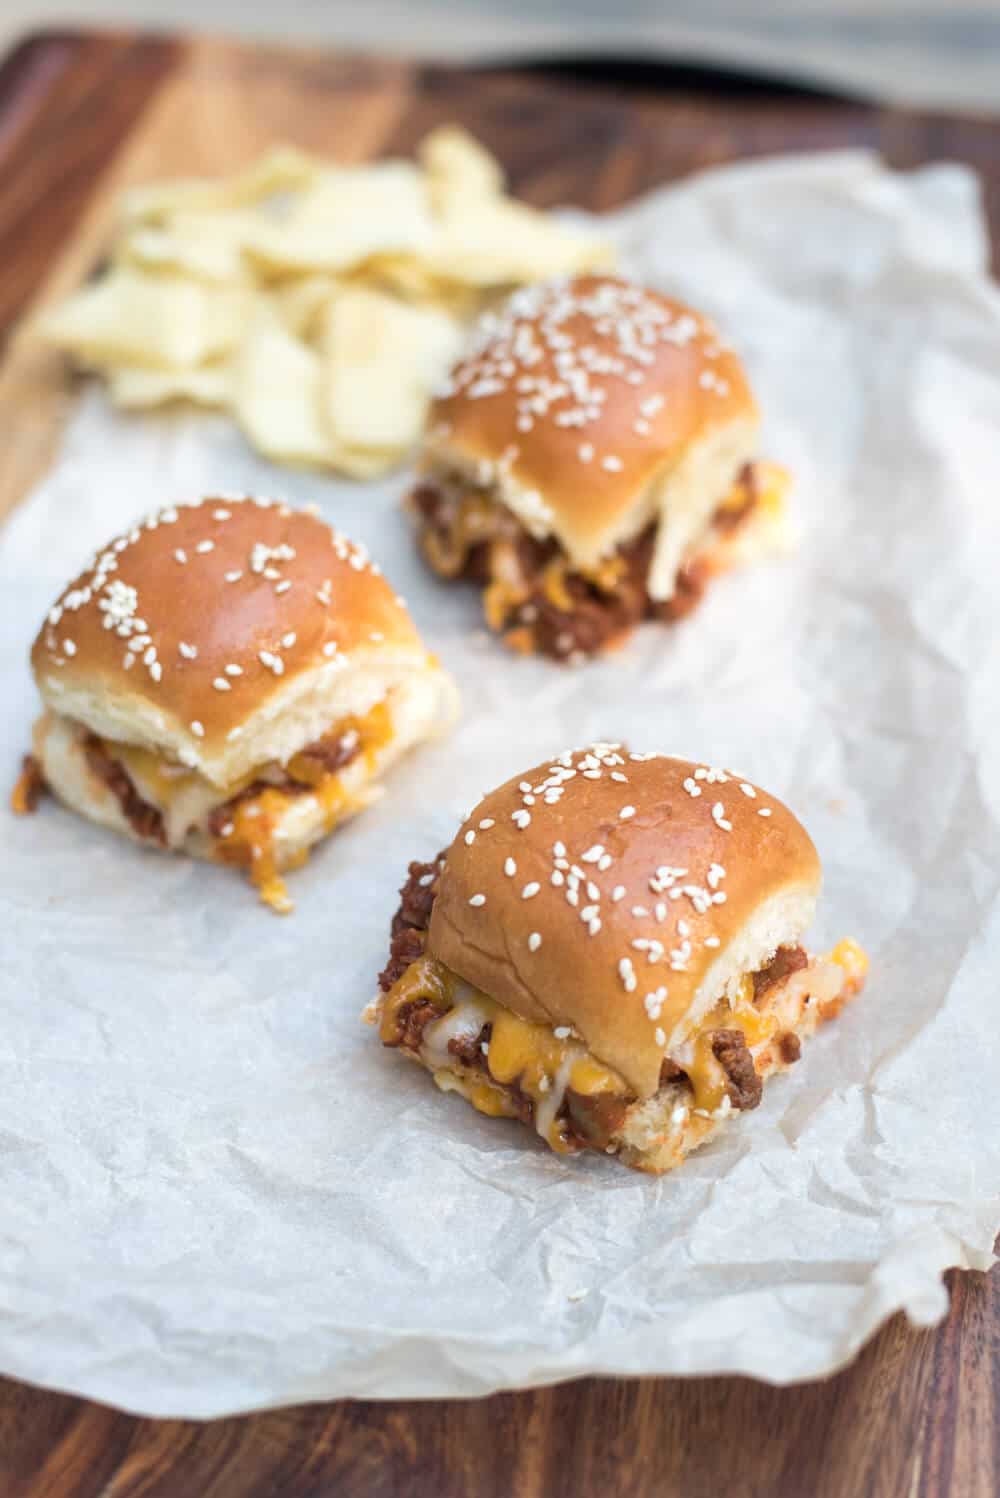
528,1060
520,1055
187,799
250,838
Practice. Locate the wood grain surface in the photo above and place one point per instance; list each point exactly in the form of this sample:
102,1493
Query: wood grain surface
918,1414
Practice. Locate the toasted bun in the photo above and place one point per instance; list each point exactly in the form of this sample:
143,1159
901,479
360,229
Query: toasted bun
226,633
622,894
591,407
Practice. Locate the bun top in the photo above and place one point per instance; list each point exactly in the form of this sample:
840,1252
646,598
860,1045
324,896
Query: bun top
208,620
620,894
578,394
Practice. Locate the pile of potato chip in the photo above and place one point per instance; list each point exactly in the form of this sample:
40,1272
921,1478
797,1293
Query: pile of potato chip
319,304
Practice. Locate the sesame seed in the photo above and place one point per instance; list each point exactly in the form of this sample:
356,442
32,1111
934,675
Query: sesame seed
660,1037
521,819
470,838
719,817
205,546
330,648
288,640
585,452
221,684
477,900
69,646
611,464
711,941
618,893
233,577
221,514
748,790
233,670
486,824
626,812
156,670
510,868
530,890
626,974
534,941
227,830
559,849
180,554
197,729
764,811
557,877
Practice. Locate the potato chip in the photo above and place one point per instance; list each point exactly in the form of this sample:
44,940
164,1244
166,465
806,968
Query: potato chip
138,389
407,277
498,242
346,216
279,170
458,168
382,360
300,302
319,304
206,246
158,321
277,394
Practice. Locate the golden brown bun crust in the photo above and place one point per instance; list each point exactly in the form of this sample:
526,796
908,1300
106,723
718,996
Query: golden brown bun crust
485,415
177,563
708,841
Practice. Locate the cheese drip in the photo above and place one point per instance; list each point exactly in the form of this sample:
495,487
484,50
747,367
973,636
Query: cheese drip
252,838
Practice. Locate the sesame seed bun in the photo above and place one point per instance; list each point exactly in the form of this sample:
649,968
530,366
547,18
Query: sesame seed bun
592,407
227,633
621,894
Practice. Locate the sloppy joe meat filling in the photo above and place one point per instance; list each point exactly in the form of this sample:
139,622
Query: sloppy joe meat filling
532,596
506,1064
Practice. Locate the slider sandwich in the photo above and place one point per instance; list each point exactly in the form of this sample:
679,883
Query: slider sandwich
593,461
229,680
611,952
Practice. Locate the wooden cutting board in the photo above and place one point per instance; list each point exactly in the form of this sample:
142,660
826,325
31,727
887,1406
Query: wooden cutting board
81,117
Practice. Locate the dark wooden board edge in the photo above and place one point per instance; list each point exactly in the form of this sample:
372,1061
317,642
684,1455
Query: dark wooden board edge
69,99
67,104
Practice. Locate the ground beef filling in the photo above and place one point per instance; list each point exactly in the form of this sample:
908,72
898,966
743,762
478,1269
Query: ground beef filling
743,1085
786,960
409,924
589,1121
325,756
145,820
495,546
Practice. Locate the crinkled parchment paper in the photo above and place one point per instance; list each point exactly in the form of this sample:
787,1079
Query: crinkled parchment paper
220,1193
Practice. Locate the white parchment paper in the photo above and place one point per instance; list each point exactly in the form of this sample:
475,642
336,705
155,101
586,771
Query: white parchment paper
220,1193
